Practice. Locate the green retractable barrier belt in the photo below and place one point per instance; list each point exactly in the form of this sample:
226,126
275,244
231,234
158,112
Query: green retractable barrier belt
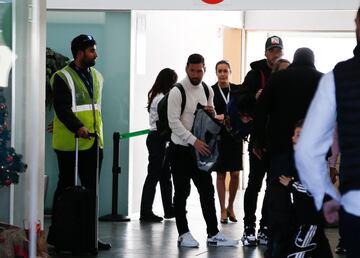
133,134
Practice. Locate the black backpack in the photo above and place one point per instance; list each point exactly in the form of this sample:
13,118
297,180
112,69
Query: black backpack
162,125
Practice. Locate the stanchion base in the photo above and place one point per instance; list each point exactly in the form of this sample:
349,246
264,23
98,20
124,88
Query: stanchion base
115,217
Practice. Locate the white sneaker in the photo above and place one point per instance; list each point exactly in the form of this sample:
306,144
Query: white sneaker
187,240
221,240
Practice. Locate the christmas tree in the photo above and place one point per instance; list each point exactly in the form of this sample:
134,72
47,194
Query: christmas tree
10,161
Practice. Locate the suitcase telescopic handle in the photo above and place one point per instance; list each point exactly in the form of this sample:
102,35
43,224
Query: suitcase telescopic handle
77,155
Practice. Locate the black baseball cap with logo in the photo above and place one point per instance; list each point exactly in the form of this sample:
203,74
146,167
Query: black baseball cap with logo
81,42
273,42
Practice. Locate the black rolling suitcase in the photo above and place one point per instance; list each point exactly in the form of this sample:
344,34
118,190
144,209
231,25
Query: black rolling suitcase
76,221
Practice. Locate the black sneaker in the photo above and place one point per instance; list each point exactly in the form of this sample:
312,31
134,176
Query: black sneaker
103,246
150,218
169,215
262,236
340,248
248,237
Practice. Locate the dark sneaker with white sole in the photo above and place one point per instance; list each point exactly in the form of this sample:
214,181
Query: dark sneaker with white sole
248,237
262,236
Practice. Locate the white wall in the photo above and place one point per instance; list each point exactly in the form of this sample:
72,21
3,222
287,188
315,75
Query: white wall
322,31
168,39
200,5
300,20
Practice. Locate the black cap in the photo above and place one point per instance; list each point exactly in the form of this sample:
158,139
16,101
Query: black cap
81,42
272,42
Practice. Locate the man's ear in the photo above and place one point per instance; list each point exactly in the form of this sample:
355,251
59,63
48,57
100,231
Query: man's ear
80,53
204,69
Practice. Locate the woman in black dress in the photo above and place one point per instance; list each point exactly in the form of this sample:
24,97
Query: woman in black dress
230,150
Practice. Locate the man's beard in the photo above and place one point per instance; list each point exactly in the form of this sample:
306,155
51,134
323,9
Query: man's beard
194,81
88,63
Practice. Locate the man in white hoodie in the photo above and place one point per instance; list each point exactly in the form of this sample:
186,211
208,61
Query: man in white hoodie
182,157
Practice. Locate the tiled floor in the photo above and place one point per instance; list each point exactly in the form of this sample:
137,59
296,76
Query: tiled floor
159,240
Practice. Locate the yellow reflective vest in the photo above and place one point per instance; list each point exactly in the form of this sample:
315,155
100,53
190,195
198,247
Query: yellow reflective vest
63,139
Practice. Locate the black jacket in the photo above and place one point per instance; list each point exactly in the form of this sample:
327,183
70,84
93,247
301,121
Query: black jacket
219,103
253,81
283,102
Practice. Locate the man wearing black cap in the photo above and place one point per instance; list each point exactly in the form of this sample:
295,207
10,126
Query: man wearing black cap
282,103
255,82
77,103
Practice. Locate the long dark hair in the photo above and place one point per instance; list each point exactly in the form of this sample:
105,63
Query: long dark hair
163,83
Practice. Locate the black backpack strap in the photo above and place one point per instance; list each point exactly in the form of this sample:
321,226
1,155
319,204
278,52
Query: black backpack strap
183,96
206,89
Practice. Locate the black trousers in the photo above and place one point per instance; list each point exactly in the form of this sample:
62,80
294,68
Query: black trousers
158,171
281,223
184,169
279,206
258,169
350,232
86,171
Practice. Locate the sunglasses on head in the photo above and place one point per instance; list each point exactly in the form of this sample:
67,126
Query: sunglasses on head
88,38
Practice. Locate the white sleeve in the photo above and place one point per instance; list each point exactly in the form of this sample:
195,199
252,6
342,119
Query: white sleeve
315,140
174,114
211,97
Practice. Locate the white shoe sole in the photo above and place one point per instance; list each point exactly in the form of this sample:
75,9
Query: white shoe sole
187,245
219,243
249,243
262,242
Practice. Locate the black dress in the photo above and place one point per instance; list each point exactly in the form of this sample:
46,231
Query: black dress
230,150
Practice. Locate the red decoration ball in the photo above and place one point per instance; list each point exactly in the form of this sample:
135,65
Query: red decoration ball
212,1
7,182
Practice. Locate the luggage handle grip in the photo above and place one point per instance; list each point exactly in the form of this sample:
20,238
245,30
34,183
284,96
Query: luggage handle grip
77,154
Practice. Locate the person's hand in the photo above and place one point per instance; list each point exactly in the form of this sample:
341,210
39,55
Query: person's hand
333,174
220,117
50,127
246,118
259,153
210,109
284,180
83,132
258,94
202,147
331,211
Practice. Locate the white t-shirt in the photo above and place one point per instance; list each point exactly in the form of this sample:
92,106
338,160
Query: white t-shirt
153,114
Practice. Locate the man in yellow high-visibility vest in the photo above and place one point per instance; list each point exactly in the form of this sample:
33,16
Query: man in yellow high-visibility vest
77,103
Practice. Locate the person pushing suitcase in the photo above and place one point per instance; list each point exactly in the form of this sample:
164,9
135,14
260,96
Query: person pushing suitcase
77,103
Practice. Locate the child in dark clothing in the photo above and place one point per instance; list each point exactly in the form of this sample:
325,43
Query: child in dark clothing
309,239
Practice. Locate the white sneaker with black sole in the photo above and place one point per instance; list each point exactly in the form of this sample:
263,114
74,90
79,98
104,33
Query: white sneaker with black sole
187,240
221,240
